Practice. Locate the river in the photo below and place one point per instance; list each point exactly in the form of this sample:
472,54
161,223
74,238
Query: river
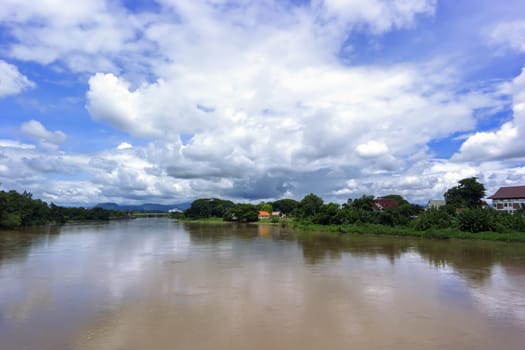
158,284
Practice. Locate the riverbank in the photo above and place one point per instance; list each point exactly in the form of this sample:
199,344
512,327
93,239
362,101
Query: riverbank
344,230
341,231
205,221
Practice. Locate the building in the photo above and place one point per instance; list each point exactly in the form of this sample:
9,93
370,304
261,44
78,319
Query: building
264,214
509,199
379,204
435,204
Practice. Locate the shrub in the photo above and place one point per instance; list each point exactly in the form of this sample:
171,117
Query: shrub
434,218
476,220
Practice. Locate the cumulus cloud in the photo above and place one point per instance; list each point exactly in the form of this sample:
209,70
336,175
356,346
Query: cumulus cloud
509,35
83,179
6,144
508,141
139,175
425,179
35,130
270,119
105,36
51,164
371,149
379,15
275,105
249,99
12,81
85,36
124,145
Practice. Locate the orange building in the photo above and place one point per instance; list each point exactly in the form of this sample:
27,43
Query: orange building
264,214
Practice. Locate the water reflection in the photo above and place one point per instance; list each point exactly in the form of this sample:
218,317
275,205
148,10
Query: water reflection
212,234
215,233
318,249
18,244
155,283
473,260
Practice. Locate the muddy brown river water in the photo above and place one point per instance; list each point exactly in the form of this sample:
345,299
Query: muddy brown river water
158,284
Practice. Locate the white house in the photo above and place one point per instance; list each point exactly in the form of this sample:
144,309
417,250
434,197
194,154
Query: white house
509,199
435,203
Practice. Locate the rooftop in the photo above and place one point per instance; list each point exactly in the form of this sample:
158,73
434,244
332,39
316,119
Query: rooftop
509,192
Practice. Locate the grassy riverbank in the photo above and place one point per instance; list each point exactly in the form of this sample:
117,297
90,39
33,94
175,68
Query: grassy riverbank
205,221
341,231
344,230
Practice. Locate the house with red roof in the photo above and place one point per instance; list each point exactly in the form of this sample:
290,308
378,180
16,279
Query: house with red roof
264,214
380,204
509,199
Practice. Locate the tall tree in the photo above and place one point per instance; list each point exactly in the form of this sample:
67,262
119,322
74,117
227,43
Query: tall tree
266,207
467,194
286,206
363,203
242,213
310,204
208,207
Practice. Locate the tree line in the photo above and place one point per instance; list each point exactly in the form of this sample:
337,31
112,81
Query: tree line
20,209
464,211
311,209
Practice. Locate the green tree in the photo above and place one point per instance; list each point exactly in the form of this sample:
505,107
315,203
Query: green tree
286,206
363,203
467,194
208,207
266,207
242,213
310,205
328,214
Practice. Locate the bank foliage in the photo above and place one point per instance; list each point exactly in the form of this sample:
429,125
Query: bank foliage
464,213
21,210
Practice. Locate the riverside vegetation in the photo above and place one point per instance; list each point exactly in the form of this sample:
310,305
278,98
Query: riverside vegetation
21,210
465,215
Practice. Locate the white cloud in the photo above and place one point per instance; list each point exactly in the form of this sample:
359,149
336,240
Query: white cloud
259,90
35,130
12,81
14,144
85,36
262,115
430,179
124,145
509,35
379,15
276,119
140,175
104,36
371,149
131,176
508,141
312,117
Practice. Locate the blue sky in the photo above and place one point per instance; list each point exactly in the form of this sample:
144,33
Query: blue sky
167,101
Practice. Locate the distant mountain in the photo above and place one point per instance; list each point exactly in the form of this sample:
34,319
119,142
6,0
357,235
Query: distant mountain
144,207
